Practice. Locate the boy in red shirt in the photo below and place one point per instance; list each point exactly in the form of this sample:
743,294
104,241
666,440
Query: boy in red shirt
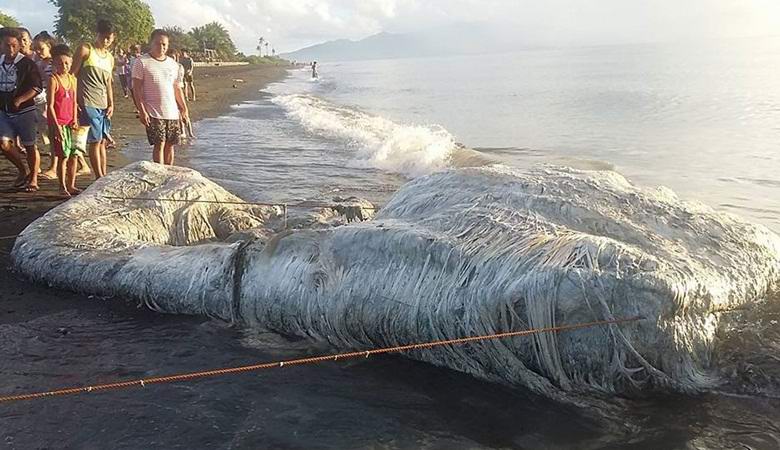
62,115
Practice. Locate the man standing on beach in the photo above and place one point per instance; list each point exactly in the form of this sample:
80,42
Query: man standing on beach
20,82
189,81
159,98
93,66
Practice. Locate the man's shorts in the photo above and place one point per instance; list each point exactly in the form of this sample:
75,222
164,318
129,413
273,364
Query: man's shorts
163,131
66,147
98,122
24,126
188,78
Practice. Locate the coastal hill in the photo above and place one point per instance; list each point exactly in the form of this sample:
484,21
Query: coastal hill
453,40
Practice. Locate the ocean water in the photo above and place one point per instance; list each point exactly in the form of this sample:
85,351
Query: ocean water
701,120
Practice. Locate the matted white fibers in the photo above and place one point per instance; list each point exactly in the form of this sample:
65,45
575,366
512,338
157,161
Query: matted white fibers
459,253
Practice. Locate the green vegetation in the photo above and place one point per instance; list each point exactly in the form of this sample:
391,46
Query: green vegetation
254,59
214,36
76,19
7,20
133,21
181,39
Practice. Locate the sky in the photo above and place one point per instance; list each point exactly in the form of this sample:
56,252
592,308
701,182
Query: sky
291,24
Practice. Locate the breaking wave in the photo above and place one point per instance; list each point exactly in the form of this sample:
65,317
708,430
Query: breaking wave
410,150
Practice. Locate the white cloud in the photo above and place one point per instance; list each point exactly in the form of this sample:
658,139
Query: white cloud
289,24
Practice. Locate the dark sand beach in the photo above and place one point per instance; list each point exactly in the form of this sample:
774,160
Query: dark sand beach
20,302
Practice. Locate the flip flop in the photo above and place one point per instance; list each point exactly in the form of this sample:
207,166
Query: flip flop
31,188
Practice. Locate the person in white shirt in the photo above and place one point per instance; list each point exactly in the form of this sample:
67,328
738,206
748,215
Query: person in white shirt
159,98
133,53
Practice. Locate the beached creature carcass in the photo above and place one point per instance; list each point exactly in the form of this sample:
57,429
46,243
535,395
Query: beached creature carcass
458,253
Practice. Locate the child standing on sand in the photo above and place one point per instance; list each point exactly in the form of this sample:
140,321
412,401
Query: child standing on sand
93,66
42,45
62,117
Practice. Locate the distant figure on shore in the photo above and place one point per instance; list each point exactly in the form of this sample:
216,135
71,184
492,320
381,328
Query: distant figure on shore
133,53
189,70
63,119
159,97
93,66
314,73
122,73
20,82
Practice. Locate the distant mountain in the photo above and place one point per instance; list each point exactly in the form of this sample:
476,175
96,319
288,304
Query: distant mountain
451,40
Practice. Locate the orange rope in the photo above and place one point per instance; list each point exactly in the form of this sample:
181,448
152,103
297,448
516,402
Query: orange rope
301,361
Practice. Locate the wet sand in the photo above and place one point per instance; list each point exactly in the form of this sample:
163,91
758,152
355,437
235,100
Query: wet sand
21,301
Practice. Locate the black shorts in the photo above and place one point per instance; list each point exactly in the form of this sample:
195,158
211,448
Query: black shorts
162,131
188,78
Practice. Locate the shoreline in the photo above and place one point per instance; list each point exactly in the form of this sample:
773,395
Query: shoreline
22,301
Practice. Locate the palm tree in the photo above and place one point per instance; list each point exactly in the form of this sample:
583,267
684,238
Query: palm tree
260,43
273,52
214,36
266,48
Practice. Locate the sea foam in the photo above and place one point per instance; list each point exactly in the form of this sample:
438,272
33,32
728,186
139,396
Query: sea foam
410,150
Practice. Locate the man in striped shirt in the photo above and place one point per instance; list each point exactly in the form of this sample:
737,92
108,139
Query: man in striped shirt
159,98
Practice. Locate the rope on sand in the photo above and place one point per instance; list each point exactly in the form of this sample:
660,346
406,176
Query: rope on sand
302,361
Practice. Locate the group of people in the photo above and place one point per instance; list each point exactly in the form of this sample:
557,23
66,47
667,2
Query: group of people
48,90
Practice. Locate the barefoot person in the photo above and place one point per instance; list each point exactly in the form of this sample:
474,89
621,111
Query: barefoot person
93,66
20,82
62,116
189,80
42,45
159,98
122,75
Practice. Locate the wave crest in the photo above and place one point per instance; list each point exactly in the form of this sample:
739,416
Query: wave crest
410,150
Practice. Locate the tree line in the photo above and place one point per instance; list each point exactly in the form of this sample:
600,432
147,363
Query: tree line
133,20
134,23
8,20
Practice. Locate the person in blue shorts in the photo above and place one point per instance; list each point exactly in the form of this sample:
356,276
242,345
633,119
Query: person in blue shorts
20,82
93,66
